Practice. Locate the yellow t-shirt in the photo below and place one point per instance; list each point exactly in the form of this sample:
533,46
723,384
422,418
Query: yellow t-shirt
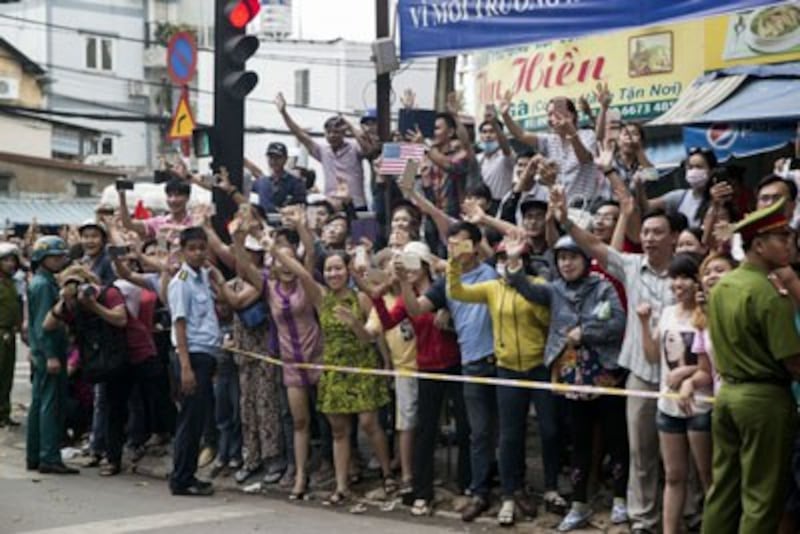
400,340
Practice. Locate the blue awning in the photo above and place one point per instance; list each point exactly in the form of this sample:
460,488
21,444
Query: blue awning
47,212
757,100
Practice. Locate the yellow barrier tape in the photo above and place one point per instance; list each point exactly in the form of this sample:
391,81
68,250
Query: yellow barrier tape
466,379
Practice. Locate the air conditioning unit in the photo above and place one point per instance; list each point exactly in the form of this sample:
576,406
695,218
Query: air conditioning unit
9,89
136,88
384,54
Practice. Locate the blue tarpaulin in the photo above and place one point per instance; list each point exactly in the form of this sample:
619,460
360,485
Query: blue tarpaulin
448,27
741,139
759,100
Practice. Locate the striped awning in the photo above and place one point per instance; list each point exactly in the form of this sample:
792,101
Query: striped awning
698,99
47,212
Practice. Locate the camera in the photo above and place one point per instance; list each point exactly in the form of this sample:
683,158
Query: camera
87,290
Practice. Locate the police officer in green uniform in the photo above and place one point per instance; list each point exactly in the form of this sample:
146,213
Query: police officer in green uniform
48,344
10,323
756,351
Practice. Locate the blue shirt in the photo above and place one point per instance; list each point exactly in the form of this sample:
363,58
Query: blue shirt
274,194
472,321
190,298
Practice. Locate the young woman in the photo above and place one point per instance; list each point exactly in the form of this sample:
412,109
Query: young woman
682,430
437,352
711,270
692,202
691,241
258,381
298,331
582,348
342,312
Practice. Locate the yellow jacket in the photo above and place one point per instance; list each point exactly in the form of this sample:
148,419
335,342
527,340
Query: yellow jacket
519,326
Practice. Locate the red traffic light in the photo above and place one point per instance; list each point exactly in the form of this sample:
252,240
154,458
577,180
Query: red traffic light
243,12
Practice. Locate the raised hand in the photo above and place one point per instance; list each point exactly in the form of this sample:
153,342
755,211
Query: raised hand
605,159
505,102
454,102
415,135
721,193
409,99
558,204
644,311
603,95
548,172
516,243
280,103
473,213
562,124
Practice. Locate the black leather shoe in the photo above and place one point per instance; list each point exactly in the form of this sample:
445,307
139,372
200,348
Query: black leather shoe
195,490
477,505
57,469
32,466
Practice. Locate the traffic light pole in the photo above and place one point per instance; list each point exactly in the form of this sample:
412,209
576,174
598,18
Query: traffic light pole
384,82
232,47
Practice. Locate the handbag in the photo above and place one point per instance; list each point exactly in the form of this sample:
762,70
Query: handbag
254,315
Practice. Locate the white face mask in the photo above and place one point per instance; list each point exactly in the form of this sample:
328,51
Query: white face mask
501,269
697,178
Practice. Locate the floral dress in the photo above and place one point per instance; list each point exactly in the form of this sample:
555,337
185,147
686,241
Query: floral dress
347,392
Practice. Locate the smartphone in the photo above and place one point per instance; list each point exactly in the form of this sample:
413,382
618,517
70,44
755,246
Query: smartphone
117,251
124,185
361,257
462,247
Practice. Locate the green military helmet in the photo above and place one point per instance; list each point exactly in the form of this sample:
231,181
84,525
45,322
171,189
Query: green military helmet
49,245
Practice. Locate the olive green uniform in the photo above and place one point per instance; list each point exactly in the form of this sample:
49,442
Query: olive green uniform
10,321
47,411
752,331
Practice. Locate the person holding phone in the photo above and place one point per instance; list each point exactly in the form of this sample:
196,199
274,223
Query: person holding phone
178,192
520,332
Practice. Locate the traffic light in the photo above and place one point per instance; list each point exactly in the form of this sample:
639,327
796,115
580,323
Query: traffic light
232,83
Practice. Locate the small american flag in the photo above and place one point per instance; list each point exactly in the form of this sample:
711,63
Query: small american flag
395,155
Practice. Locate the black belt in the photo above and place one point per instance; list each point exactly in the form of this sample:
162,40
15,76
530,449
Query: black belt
764,380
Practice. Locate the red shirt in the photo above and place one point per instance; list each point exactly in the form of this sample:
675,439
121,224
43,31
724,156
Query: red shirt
436,349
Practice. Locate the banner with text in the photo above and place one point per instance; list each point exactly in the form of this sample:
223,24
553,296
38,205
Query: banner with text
448,27
645,69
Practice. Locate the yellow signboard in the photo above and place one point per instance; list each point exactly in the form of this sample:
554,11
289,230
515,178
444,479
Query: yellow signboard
645,68
769,34
182,121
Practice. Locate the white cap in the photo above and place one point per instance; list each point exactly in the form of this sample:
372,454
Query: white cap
418,248
8,249
252,244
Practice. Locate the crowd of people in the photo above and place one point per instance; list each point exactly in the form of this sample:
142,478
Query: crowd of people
530,258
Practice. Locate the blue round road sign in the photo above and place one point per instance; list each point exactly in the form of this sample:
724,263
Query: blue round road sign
181,58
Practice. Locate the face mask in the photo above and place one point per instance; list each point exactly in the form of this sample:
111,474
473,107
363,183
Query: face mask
697,178
501,269
489,146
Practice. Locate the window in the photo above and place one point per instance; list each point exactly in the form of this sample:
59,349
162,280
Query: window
83,189
99,53
301,90
107,146
5,185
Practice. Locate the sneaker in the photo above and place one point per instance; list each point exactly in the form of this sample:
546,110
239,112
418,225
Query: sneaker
505,517
217,469
274,476
619,513
421,507
477,505
575,519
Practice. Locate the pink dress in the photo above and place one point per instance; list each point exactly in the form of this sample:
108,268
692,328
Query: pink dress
299,333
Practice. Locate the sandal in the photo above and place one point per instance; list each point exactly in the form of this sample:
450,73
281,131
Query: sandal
301,495
109,470
390,485
555,503
337,498
421,507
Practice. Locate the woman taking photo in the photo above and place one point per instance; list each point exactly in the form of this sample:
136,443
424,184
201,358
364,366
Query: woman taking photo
682,430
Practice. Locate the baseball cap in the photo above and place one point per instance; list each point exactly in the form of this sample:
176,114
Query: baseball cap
277,149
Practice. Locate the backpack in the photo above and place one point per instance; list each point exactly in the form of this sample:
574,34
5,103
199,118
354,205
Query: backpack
103,347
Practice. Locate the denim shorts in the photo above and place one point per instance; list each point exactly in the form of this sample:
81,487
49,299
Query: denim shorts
680,425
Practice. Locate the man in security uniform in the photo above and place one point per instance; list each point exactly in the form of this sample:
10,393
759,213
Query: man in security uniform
757,352
10,324
48,345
